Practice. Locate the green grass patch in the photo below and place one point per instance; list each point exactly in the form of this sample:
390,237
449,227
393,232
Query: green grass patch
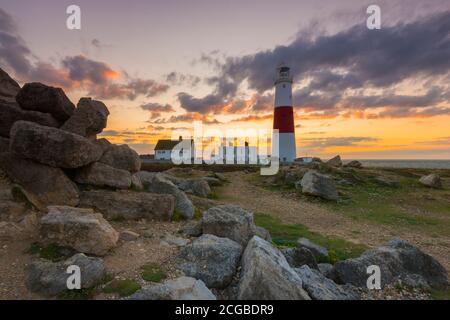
197,213
123,288
213,196
153,272
77,294
405,206
51,252
177,216
288,234
440,294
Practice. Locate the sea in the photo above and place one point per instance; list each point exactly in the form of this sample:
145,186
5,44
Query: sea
413,164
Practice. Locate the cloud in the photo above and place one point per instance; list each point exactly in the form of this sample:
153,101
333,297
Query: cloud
336,71
157,109
74,72
179,79
13,50
323,143
187,117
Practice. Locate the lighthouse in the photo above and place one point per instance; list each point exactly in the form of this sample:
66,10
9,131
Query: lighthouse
283,118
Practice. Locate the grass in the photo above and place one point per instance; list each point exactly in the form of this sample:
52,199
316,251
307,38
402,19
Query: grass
123,288
440,294
51,252
287,235
77,294
197,214
213,196
410,205
152,272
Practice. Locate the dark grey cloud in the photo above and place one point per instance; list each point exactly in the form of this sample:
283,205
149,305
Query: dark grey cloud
335,70
179,79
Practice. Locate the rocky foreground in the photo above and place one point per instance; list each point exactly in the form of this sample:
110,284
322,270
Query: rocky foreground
66,189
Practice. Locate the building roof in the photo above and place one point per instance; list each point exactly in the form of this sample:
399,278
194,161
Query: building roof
166,144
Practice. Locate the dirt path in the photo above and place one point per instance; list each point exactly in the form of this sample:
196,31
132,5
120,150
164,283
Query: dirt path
319,219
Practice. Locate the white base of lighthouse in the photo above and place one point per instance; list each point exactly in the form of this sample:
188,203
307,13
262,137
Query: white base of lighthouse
286,146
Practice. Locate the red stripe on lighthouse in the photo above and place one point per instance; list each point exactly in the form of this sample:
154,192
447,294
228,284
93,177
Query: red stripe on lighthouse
283,119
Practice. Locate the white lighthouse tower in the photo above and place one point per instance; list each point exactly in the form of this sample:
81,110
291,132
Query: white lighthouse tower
283,119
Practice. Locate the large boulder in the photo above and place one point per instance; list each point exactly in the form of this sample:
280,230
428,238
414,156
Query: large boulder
229,221
89,118
432,180
8,87
102,175
297,257
157,183
398,260
4,144
266,275
11,113
42,185
320,185
182,288
51,146
335,162
319,252
121,157
39,97
129,205
321,288
50,278
77,228
211,259
198,187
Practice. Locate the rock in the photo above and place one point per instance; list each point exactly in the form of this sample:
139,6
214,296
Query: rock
213,182
198,187
211,259
136,182
354,164
102,175
263,233
320,185
325,269
432,180
297,257
266,275
80,229
121,157
39,97
51,146
386,182
4,144
319,252
159,184
41,185
128,235
171,240
145,177
291,178
220,176
182,288
50,278
335,162
398,260
192,229
90,118
129,205
321,288
8,87
11,113
229,221
103,143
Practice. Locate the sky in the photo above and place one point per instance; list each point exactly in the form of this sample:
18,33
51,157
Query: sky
160,65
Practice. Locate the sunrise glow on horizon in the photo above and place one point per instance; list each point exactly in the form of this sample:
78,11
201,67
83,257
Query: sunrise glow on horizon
363,94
